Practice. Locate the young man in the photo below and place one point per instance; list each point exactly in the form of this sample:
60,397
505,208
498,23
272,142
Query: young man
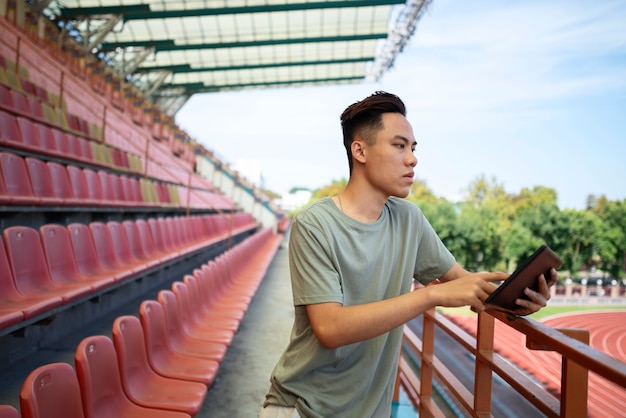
353,258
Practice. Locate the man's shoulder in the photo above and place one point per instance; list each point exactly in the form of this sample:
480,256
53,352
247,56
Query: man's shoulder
397,204
313,211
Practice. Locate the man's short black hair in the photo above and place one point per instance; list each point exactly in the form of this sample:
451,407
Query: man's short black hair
364,118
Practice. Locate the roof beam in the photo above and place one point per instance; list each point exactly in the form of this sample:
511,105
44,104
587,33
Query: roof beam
186,68
201,88
143,11
170,45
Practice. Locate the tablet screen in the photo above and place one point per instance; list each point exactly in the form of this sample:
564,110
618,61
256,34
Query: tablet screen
525,276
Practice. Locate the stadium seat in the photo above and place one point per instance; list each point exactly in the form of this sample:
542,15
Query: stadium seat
121,247
87,257
107,251
30,270
200,304
181,330
148,243
16,180
41,182
162,358
111,188
29,133
79,185
60,257
50,389
94,187
12,300
158,236
136,245
141,383
61,184
101,388
7,411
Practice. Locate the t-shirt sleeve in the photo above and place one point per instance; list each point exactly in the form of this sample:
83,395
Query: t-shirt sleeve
314,276
433,258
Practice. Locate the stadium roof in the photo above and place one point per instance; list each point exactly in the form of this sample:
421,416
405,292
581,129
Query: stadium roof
172,49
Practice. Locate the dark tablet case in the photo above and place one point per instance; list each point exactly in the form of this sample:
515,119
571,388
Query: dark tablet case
525,276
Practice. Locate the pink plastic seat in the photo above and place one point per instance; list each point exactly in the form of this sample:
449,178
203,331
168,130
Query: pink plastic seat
141,383
49,389
106,251
41,182
102,393
30,270
61,184
7,411
163,358
79,185
9,132
135,243
121,246
180,341
87,258
16,180
15,303
60,257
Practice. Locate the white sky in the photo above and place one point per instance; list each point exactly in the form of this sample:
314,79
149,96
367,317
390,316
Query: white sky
526,92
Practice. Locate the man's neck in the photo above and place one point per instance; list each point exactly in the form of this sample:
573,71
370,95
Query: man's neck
361,203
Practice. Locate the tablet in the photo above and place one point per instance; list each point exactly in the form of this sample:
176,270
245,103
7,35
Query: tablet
525,276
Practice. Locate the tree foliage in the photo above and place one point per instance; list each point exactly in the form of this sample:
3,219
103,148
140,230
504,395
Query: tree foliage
495,230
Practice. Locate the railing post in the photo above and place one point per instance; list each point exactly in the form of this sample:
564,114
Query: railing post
483,374
574,377
426,373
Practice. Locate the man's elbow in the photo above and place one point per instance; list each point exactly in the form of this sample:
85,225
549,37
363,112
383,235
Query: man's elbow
328,337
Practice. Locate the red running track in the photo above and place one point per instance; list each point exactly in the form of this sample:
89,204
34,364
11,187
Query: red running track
607,331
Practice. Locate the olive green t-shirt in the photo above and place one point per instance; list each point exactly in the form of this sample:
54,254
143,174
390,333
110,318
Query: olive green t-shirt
334,258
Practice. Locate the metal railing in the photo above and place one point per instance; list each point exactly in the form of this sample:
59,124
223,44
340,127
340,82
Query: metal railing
578,359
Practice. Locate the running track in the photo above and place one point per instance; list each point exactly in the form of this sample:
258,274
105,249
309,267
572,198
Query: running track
607,333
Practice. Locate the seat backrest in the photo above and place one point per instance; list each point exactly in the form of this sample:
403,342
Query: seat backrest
84,249
105,248
40,179
171,313
61,141
130,346
7,411
27,260
60,180
94,187
29,132
145,235
50,389
78,182
57,248
134,240
157,235
120,243
8,291
99,377
16,179
9,132
106,182
153,324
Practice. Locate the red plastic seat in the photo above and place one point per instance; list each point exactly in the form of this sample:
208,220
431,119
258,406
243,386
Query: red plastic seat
197,345
16,180
49,389
87,258
9,132
107,253
61,184
122,249
7,411
29,133
163,358
30,270
15,303
102,393
60,257
157,232
111,192
202,308
136,245
41,182
147,241
94,187
141,383
80,189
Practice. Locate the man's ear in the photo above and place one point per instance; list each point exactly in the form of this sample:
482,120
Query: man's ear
358,150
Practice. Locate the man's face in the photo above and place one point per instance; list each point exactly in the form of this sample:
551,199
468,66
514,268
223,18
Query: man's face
390,161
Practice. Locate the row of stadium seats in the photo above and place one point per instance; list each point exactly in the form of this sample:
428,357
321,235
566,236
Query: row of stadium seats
30,133
161,362
31,181
46,269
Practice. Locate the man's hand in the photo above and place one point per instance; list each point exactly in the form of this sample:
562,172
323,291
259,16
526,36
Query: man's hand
536,300
471,289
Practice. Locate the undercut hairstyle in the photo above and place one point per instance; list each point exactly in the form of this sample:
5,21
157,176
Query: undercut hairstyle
364,119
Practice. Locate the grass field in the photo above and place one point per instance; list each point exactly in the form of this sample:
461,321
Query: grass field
547,311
